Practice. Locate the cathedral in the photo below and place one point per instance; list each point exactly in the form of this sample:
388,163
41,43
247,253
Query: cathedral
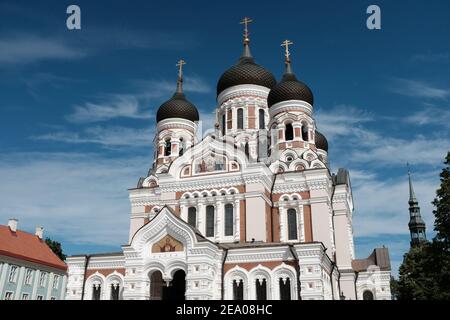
249,211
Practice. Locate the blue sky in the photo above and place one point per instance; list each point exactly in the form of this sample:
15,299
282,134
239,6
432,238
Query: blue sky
77,107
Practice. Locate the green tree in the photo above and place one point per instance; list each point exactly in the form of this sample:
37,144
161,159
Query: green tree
442,211
56,248
425,271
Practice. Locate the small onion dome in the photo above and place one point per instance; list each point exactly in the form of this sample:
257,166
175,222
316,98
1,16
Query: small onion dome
177,107
321,141
246,71
289,88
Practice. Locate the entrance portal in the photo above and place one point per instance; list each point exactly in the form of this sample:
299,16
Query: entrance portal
157,286
175,291
177,287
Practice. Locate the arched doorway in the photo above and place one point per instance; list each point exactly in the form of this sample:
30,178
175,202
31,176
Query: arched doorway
367,295
157,286
177,287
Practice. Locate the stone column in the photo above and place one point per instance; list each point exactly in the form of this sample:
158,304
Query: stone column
237,224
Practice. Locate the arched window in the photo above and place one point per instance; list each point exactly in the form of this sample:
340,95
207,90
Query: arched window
292,224
192,216
168,148
367,295
238,289
289,132
96,291
305,132
262,120
115,289
210,221
285,289
246,149
224,123
240,118
261,289
229,217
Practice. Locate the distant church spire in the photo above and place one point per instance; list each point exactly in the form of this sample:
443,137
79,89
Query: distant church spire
246,54
416,224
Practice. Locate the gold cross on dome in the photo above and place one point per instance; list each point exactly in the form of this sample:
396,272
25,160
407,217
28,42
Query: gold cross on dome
286,44
246,22
180,65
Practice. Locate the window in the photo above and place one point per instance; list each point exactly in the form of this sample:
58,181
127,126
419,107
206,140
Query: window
240,118
229,217
289,132
262,120
168,148
55,281
246,149
42,279
224,124
285,289
182,144
12,274
28,277
367,295
40,298
96,290
115,291
292,224
8,295
261,289
305,132
210,221
25,296
238,290
192,216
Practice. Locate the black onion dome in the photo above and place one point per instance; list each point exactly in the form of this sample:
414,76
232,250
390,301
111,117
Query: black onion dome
290,88
177,107
321,141
246,71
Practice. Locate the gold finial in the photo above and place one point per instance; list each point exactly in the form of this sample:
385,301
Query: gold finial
180,65
246,22
286,44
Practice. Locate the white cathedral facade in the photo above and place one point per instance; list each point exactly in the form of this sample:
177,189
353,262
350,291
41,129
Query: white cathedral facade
251,211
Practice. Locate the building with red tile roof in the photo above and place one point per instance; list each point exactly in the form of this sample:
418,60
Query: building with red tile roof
28,267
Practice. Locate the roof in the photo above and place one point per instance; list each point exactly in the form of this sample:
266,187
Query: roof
379,257
290,88
321,141
26,246
177,107
246,71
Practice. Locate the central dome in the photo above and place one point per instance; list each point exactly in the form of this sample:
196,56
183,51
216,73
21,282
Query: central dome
246,71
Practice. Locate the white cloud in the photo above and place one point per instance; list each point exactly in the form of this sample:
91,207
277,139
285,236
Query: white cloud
78,198
430,116
395,151
341,120
23,49
419,89
381,205
110,137
117,106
